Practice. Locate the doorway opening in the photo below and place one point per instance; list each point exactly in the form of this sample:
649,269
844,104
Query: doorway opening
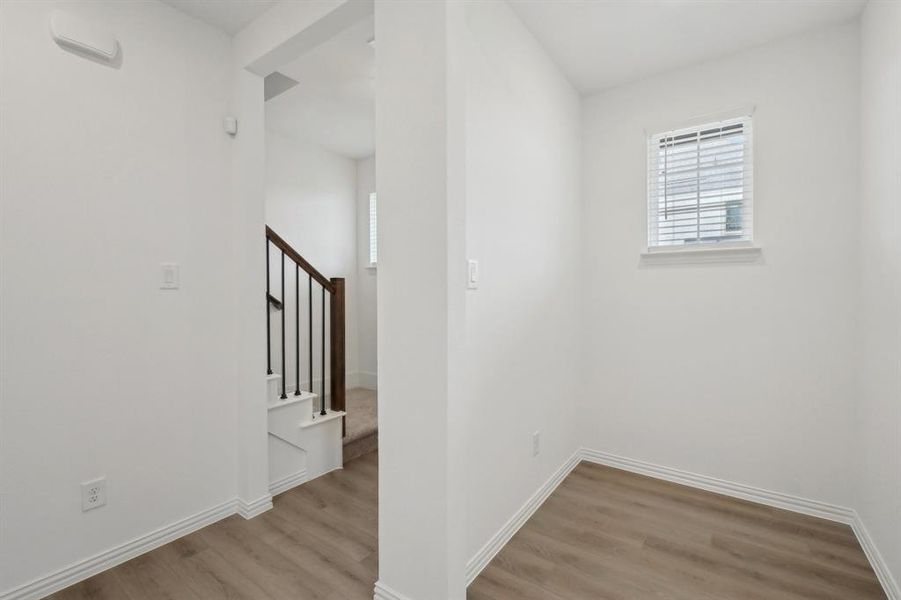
321,211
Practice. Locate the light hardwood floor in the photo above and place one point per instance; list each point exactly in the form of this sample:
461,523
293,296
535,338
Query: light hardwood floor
603,534
610,534
318,541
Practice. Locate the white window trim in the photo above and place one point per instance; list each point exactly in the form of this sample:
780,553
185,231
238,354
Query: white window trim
724,252
735,252
745,110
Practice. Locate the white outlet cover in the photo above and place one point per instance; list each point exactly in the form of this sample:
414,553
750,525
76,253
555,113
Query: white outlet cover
536,443
93,494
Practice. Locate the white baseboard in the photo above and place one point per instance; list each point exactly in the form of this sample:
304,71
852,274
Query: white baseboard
880,566
83,569
500,539
286,483
796,504
383,592
367,380
813,508
351,380
251,509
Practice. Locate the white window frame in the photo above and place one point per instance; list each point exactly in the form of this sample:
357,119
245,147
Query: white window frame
731,249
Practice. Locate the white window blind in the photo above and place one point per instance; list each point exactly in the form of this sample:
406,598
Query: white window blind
373,230
700,185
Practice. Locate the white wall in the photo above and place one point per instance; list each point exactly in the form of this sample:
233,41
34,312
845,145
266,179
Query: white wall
522,224
419,129
311,203
367,279
739,371
106,173
878,500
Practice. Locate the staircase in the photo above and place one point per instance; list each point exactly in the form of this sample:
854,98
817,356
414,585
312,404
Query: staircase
305,345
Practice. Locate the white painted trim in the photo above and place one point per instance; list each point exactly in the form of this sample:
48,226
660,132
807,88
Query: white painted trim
319,419
383,592
251,509
880,566
367,380
697,255
286,483
743,110
813,508
351,380
500,539
81,570
277,402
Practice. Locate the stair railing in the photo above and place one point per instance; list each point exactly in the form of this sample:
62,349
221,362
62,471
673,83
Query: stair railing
334,287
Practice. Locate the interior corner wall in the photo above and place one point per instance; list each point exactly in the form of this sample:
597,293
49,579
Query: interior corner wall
108,171
522,225
367,280
311,203
878,467
743,372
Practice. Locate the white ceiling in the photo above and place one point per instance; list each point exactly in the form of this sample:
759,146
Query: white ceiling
603,43
333,104
228,15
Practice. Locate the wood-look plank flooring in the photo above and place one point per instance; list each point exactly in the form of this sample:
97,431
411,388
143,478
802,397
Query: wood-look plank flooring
613,535
603,534
319,541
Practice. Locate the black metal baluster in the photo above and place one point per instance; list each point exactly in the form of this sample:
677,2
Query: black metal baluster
284,374
322,382
268,325
296,330
310,325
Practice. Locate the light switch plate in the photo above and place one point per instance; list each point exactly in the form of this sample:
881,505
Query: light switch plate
472,274
169,276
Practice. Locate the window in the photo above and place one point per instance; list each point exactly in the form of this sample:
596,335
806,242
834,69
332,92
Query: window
373,231
699,185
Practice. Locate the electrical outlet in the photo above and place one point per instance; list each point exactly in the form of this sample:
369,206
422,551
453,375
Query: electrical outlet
536,443
93,494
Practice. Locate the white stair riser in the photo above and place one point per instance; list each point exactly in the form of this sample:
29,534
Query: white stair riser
301,445
285,421
315,450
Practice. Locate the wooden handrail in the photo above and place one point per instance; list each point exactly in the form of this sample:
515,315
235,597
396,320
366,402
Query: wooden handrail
301,262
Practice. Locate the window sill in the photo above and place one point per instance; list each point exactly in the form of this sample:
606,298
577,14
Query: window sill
699,256
371,267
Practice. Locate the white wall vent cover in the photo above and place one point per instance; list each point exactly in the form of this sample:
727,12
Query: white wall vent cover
83,36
